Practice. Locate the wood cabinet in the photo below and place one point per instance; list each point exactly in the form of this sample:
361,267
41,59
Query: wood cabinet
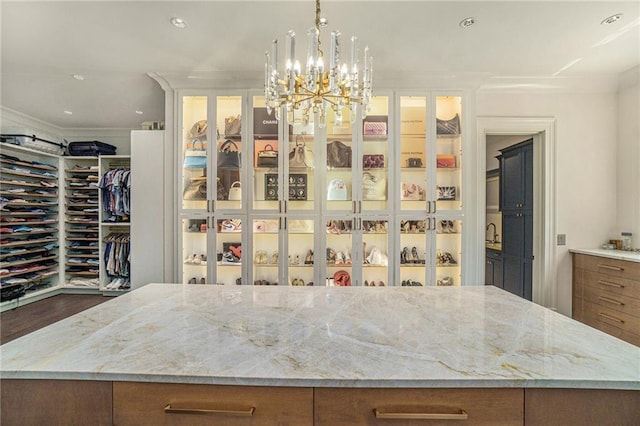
55,402
351,406
516,204
184,404
606,295
65,402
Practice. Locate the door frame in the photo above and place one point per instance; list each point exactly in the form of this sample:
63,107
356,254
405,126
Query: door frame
544,289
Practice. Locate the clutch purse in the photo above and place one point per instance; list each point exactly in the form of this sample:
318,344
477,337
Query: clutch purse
446,161
372,161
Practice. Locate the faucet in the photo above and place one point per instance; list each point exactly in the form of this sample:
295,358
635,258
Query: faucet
494,239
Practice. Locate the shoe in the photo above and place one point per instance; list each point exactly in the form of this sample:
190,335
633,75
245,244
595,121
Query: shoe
308,260
407,256
339,258
366,283
380,284
238,281
192,280
414,255
331,256
274,258
294,281
195,259
202,280
300,281
347,258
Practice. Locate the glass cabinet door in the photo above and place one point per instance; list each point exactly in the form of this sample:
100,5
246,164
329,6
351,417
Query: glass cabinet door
448,256
266,158
301,161
266,250
414,252
339,162
194,250
374,156
300,251
228,181
413,157
228,256
448,152
195,133
375,246
340,252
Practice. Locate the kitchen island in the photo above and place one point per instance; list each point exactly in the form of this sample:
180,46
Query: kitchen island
170,353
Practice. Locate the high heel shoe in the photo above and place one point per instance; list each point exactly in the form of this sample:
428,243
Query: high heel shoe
274,258
414,254
347,258
309,259
339,258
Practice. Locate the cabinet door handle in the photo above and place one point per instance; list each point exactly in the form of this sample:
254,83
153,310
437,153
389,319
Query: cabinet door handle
612,318
613,268
610,284
615,302
241,412
461,415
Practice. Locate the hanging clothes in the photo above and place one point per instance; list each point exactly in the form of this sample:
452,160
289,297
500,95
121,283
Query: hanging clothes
116,195
117,255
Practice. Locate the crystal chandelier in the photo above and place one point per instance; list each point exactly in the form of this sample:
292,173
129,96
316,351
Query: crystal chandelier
339,86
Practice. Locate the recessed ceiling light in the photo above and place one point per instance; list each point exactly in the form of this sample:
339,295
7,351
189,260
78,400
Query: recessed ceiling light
178,22
467,22
78,77
67,112
611,19
139,112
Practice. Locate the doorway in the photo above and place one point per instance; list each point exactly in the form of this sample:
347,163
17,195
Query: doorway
542,131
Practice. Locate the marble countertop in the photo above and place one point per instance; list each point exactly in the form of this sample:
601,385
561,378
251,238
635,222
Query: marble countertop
477,336
611,254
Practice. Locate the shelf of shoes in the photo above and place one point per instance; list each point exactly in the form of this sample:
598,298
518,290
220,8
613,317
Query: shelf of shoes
29,221
82,264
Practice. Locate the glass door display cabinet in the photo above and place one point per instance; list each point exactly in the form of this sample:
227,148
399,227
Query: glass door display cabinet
430,207
211,188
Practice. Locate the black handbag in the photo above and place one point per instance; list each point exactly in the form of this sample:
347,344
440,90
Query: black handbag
338,155
448,127
228,158
267,157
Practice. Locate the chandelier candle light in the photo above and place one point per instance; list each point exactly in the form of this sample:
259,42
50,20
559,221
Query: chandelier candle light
338,87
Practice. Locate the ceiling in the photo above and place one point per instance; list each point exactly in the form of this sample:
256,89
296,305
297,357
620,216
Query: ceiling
117,45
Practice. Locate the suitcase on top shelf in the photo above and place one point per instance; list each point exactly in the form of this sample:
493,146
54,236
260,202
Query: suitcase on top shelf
91,149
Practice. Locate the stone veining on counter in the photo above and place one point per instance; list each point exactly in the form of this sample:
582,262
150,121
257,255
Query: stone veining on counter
631,256
290,336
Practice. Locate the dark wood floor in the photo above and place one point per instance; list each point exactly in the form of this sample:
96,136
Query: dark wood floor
33,316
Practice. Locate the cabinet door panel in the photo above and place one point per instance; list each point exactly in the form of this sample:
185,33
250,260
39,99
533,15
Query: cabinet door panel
527,175
344,406
511,180
146,403
512,234
513,279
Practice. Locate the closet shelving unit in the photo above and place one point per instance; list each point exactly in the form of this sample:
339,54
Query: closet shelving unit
82,264
29,219
115,225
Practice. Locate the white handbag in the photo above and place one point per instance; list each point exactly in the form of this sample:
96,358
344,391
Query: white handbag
235,191
336,190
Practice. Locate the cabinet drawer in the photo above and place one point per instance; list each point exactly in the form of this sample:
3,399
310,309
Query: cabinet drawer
180,404
611,299
620,286
610,267
350,406
597,315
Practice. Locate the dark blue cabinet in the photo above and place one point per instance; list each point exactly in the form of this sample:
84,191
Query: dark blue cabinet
516,204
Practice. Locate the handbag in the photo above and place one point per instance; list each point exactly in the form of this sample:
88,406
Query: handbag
196,190
300,155
411,191
195,158
372,161
235,191
448,127
228,159
342,278
446,193
232,126
267,157
198,130
445,161
373,188
336,190
375,125
338,155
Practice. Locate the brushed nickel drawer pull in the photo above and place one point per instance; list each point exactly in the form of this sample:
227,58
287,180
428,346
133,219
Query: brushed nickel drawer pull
610,284
613,268
611,317
615,302
240,412
462,415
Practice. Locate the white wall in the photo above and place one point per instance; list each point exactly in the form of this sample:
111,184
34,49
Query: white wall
586,167
629,155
